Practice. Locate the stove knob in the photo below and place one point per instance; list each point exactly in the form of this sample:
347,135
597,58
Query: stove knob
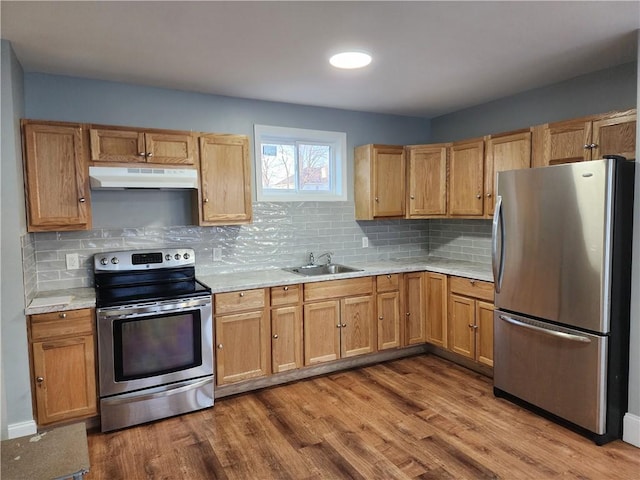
104,261
186,256
115,260
167,257
177,256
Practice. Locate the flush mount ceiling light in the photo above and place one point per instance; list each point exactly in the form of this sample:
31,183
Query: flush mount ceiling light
350,60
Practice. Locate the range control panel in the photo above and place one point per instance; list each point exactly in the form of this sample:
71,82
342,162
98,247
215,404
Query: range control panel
130,260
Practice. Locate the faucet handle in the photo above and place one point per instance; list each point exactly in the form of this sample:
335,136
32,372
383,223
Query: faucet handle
312,259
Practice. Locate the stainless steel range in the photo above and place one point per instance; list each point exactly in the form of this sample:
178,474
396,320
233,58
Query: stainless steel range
155,347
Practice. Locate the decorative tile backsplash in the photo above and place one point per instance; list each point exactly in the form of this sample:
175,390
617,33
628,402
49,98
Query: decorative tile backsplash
281,235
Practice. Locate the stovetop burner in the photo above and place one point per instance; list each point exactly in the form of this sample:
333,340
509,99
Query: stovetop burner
140,276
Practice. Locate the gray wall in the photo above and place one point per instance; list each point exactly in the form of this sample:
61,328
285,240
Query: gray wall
598,92
16,400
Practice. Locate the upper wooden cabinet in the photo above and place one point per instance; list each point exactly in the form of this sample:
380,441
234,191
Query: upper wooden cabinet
225,177
136,146
587,138
379,181
427,180
466,178
510,151
56,177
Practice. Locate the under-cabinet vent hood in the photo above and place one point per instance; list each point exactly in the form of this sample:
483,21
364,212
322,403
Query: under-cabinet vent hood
117,178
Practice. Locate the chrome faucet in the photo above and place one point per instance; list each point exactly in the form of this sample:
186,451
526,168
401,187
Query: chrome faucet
312,260
328,255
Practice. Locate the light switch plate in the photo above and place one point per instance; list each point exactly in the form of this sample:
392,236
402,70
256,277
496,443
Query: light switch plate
73,261
365,242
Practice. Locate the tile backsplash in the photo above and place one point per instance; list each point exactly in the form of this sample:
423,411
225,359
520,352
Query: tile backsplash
281,235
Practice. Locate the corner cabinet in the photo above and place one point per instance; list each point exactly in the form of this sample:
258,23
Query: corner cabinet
56,177
63,365
224,197
379,182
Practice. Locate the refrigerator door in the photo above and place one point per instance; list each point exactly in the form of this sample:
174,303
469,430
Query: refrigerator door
560,370
552,243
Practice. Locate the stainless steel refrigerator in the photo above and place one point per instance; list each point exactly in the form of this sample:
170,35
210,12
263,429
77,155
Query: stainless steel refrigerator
562,238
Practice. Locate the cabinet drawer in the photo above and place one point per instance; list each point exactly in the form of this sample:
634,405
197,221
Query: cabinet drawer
472,288
286,295
239,301
59,324
388,283
338,288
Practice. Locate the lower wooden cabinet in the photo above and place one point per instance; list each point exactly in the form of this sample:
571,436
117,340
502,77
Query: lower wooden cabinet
470,326
414,309
63,365
436,331
388,300
286,328
242,339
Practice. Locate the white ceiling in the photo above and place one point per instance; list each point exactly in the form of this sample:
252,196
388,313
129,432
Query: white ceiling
429,58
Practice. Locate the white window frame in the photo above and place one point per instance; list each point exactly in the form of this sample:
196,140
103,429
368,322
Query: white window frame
338,142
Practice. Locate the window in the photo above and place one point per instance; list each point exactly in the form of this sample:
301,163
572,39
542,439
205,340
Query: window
294,164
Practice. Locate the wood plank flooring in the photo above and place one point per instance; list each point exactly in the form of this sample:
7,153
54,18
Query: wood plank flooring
416,418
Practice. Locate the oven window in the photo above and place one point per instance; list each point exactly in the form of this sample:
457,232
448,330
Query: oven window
151,346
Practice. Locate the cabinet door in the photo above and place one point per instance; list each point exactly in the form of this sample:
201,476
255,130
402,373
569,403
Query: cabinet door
388,181
614,136
484,333
358,329
509,152
388,320
436,310
414,309
117,146
427,170
243,346
226,180
466,178
65,379
170,148
56,178
462,325
321,332
286,338
564,142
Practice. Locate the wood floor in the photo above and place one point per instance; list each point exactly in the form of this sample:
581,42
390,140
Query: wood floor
416,418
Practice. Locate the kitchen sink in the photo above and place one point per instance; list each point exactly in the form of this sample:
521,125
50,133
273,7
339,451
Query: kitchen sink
330,269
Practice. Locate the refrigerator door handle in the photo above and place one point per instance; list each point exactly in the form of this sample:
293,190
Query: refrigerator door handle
497,225
553,333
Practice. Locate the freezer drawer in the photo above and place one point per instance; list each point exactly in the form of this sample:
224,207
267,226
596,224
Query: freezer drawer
560,370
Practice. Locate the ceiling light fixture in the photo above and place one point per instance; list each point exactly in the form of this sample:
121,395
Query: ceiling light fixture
350,60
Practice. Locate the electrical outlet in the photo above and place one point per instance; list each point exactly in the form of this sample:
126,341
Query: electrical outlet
217,254
73,261
365,242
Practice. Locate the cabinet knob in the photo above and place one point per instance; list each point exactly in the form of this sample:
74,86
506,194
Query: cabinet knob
593,145
388,276
338,326
275,335
39,379
472,282
82,199
149,154
242,294
412,197
219,346
478,196
344,325
376,199
408,314
470,326
475,327
286,289
142,154
381,317
488,195
62,315
205,200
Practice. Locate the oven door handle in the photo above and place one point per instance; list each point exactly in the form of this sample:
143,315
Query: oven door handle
164,391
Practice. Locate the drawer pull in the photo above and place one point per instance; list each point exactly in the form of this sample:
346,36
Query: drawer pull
286,289
472,282
39,379
242,294
389,276
63,315
219,346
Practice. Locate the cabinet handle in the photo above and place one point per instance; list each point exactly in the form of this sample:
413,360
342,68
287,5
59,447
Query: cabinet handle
242,294
587,146
39,379
219,346
150,154
82,199
472,282
407,314
275,335
338,326
205,200
475,327
286,289
376,199
142,154
488,195
412,197
63,315
344,325
381,317
470,326
593,145
389,276
478,196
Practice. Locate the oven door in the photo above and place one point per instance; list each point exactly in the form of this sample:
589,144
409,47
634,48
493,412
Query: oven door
153,344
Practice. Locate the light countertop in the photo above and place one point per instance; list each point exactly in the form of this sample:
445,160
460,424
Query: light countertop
229,282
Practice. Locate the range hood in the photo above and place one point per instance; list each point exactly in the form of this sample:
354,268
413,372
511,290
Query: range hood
118,178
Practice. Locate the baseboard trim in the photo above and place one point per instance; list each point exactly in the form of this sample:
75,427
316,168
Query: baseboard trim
22,429
631,429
